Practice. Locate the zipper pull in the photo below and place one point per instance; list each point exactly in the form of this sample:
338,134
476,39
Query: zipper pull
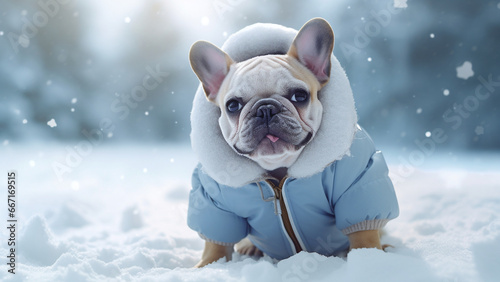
277,197
277,207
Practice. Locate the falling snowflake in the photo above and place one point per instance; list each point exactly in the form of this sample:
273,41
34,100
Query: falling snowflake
446,92
465,70
419,111
52,123
400,4
74,100
432,35
428,134
127,20
205,21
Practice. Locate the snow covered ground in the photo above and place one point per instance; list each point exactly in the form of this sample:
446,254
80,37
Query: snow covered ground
120,214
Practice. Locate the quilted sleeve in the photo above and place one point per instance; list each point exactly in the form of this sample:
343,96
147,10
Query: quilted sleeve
208,215
364,197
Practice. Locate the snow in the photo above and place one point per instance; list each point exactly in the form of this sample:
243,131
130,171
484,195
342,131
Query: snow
110,221
52,123
465,70
205,21
400,4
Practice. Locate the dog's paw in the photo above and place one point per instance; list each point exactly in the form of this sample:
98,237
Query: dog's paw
385,246
246,247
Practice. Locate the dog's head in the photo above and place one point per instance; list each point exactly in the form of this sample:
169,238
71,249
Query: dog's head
269,104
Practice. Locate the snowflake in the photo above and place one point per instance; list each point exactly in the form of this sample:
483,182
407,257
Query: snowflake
400,4
52,123
465,71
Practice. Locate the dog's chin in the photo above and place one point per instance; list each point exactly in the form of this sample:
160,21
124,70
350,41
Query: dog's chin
273,161
272,155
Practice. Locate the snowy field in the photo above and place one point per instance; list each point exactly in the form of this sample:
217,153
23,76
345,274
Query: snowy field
120,215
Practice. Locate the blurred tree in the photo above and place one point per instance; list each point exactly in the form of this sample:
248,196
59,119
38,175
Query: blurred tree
401,64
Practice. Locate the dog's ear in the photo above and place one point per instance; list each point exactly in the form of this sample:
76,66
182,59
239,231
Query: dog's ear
313,47
211,65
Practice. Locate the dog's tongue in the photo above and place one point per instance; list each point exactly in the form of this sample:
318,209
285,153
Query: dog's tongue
272,138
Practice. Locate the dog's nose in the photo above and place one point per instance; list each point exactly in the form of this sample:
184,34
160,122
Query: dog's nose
267,111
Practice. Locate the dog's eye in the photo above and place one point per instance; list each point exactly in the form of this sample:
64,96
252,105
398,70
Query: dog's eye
233,106
299,96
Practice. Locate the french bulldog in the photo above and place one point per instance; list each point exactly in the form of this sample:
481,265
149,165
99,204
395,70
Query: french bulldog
269,108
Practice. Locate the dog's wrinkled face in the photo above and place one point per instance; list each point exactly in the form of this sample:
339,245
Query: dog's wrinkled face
269,104
270,109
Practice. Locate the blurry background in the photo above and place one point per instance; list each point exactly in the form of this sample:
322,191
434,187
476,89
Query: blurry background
118,71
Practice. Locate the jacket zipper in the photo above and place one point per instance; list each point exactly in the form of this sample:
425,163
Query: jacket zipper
278,192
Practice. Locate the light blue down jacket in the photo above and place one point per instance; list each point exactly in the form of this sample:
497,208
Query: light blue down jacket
349,195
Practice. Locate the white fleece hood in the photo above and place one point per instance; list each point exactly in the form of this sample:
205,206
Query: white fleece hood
332,141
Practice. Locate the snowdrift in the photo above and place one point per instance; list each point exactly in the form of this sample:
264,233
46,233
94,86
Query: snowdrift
112,219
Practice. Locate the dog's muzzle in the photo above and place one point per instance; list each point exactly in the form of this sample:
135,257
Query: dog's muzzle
266,109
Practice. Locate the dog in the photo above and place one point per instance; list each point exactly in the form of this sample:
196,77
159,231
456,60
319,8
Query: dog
269,114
